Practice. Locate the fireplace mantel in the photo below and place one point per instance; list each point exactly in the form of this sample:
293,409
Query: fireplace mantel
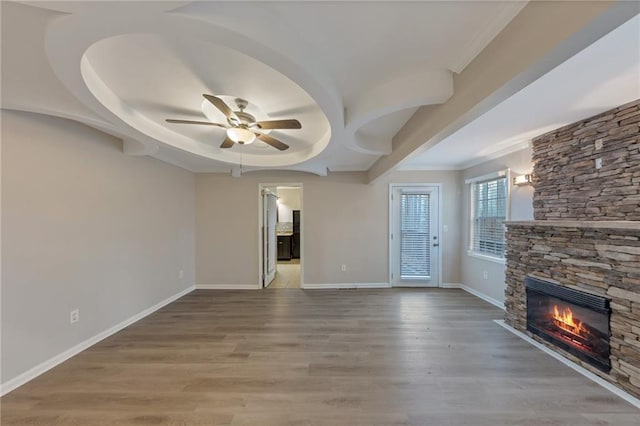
593,224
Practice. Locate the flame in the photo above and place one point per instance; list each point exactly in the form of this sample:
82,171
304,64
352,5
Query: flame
565,320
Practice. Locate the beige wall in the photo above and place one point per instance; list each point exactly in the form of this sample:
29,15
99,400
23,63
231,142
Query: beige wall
345,221
88,227
521,208
84,226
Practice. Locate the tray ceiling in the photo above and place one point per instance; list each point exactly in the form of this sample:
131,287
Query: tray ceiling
351,72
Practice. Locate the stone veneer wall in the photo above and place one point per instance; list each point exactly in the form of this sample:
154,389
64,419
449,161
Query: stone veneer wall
595,259
587,229
567,184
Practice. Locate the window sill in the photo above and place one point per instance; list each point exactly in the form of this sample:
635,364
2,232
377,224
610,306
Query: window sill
486,257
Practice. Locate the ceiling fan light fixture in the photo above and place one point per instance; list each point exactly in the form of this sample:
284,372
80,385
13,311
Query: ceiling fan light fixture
241,135
241,123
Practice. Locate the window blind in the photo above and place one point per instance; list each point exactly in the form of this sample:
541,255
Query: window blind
415,228
489,200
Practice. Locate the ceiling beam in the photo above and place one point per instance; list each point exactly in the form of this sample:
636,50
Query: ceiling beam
542,36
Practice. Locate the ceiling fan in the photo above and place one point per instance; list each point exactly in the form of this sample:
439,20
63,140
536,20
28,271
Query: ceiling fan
241,126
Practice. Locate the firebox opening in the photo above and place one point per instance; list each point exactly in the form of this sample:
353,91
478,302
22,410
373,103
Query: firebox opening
575,321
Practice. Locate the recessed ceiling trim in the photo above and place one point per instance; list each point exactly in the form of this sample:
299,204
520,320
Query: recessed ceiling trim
69,39
311,169
84,119
346,68
407,89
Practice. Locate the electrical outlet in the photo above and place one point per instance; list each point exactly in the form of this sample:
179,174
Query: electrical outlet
343,268
598,163
74,316
181,274
485,275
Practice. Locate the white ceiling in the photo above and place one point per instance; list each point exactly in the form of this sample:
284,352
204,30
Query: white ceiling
351,72
161,78
602,76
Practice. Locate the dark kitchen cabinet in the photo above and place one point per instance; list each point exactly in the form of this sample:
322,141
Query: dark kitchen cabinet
296,221
284,247
295,245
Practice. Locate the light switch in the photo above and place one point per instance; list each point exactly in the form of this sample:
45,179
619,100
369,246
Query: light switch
445,228
598,163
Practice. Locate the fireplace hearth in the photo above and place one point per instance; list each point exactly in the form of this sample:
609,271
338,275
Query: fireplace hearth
573,320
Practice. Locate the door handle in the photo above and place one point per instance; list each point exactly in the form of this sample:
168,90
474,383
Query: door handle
436,245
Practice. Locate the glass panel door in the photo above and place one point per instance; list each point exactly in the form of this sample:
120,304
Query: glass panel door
414,236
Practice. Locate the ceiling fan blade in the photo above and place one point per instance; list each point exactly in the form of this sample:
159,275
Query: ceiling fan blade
219,103
205,123
272,141
228,143
279,124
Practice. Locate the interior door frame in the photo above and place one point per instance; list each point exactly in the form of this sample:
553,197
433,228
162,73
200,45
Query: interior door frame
262,186
267,195
393,259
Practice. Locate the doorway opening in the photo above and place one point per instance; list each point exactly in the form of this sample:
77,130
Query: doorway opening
414,235
281,235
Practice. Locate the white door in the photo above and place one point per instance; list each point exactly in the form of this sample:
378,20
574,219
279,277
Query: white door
414,237
269,209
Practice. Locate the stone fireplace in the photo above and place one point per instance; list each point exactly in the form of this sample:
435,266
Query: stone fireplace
584,243
573,320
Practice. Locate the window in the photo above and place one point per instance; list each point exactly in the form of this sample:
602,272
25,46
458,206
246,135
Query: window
488,213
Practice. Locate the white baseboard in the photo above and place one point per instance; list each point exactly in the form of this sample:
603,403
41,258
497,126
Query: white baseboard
228,286
344,286
413,285
45,366
476,293
450,285
586,373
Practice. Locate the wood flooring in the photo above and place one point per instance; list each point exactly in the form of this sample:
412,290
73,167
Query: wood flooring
287,275
286,357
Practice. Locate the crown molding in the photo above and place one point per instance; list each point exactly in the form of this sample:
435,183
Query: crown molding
488,33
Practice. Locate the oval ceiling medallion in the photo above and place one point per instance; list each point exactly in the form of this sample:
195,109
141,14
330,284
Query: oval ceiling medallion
250,113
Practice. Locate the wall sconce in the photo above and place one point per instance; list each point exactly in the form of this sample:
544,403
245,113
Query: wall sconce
522,180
